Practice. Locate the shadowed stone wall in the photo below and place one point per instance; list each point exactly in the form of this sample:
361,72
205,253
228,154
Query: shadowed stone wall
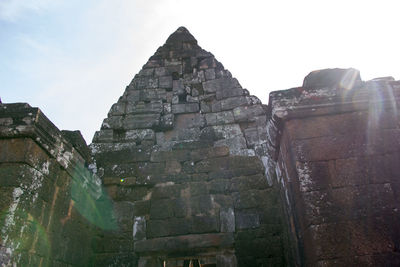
338,166
47,198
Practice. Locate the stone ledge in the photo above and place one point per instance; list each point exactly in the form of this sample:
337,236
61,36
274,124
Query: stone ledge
328,96
184,243
19,120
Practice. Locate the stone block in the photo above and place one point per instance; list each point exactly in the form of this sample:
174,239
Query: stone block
117,109
104,136
139,228
245,183
160,71
232,102
180,207
141,121
229,92
210,152
198,188
178,87
156,228
178,226
190,120
187,243
229,260
227,220
147,95
247,219
189,135
146,72
185,108
219,85
201,205
165,82
209,74
225,117
140,135
167,122
161,209
144,108
169,190
247,113
178,155
141,208
208,62
204,224
219,186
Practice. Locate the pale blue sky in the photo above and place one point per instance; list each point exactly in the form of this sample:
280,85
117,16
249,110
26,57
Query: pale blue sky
74,58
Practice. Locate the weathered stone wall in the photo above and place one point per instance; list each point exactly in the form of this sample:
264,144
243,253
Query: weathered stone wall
337,147
182,154
46,216
197,169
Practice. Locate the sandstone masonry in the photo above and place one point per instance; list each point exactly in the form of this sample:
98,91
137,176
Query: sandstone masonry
188,167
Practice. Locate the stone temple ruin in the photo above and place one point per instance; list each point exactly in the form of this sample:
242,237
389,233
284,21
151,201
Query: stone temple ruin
189,169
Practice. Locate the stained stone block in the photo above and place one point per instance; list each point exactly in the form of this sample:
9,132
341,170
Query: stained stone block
139,135
251,135
103,136
246,220
227,220
141,121
139,228
141,208
226,131
157,228
114,122
185,243
198,188
210,74
184,134
161,71
229,92
233,102
224,117
208,62
178,87
201,205
192,99
167,122
190,120
204,224
229,260
161,209
219,85
247,113
165,82
117,109
167,108
205,107
149,262
146,72
185,108
178,226
138,83
175,70
178,155
167,191
144,108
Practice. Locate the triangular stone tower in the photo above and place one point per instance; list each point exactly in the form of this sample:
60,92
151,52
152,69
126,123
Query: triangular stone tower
181,154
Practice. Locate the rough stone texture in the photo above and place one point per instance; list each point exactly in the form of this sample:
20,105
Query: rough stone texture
197,170
47,217
337,146
199,185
